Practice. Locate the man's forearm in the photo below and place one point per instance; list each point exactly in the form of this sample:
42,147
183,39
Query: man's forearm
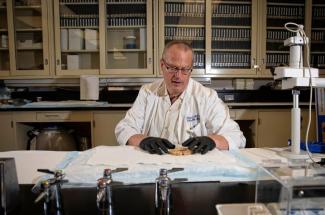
136,139
220,141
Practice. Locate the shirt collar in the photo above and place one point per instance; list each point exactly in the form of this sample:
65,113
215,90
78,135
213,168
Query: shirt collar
162,90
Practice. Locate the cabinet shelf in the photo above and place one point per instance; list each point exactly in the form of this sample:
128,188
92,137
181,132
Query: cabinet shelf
198,50
285,17
318,5
3,30
3,7
285,4
186,1
29,48
231,26
231,16
230,39
78,3
231,50
184,38
231,2
275,28
3,49
79,27
317,52
192,15
185,26
277,52
24,7
126,27
81,51
318,29
126,50
129,15
76,16
122,3
319,18
28,29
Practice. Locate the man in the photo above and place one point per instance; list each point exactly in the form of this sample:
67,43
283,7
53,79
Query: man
178,111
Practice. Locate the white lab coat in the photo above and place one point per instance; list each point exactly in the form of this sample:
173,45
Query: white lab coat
201,113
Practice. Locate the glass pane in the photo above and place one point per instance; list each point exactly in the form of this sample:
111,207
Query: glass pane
4,51
126,34
231,34
185,21
277,16
29,36
318,35
79,28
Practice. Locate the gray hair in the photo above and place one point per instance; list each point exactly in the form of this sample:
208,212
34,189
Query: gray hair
184,46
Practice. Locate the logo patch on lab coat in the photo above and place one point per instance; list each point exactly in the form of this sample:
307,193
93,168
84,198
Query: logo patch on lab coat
194,118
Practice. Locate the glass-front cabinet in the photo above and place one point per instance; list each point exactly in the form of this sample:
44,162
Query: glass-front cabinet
30,37
276,14
222,33
77,36
233,37
127,37
185,21
4,43
318,35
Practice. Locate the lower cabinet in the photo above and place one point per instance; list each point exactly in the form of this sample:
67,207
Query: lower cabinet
274,127
261,127
7,138
104,123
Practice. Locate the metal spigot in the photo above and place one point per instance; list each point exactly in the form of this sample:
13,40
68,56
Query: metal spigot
163,197
51,192
163,191
104,191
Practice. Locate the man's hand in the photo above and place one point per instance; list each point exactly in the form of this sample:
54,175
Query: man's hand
201,144
156,145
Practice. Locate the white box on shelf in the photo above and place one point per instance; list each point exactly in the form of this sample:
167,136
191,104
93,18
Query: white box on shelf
64,39
143,38
91,39
76,39
73,62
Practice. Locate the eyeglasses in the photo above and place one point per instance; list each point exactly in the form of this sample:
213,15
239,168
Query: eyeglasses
172,70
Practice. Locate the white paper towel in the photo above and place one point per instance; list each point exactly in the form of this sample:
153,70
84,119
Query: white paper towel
89,87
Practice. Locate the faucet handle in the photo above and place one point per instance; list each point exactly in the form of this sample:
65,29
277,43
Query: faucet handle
175,170
119,170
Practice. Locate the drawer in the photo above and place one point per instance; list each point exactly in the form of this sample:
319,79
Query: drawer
66,116
53,116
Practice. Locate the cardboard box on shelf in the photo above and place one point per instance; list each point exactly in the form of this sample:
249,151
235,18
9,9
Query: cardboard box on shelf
64,39
73,62
91,39
76,39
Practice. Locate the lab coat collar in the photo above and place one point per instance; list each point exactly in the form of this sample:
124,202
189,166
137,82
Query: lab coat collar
162,90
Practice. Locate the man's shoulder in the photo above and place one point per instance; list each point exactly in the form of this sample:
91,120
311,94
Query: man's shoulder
199,90
152,88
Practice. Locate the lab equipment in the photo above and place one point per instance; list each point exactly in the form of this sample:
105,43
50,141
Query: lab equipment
296,188
294,77
163,191
50,192
104,191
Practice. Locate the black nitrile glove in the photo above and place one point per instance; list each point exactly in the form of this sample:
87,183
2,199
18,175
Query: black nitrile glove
201,144
156,145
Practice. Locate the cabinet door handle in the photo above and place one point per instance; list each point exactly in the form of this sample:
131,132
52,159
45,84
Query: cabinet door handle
46,62
51,115
149,60
58,62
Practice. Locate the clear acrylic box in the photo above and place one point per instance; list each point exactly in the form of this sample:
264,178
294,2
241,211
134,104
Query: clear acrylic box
291,189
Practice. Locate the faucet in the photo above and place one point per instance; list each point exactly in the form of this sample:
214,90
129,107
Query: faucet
104,191
51,192
163,191
163,197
